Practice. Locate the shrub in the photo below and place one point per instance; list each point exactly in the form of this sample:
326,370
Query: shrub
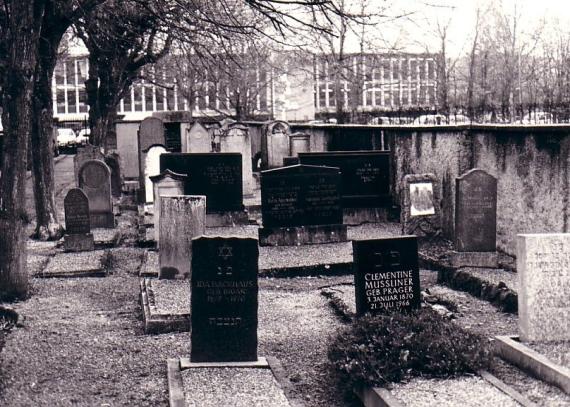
376,350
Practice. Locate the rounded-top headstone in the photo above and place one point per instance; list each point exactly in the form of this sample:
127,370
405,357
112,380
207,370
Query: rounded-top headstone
76,208
95,181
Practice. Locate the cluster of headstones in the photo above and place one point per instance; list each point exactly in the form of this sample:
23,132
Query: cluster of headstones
90,205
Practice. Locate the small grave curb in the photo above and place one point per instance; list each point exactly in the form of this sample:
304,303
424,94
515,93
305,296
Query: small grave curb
497,294
100,271
176,386
159,324
515,352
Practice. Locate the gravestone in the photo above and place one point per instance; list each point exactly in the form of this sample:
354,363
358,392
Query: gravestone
112,160
299,143
166,183
95,181
386,274
218,176
151,168
224,299
420,205
89,152
475,220
234,138
301,205
198,140
78,236
288,161
274,143
184,217
151,133
543,269
127,147
365,175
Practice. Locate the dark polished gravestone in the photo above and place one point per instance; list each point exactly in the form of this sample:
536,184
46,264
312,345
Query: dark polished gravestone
365,175
224,299
78,236
476,212
386,274
218,176
301,205
95,181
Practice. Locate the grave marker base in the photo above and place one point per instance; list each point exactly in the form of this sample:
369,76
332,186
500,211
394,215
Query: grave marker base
475,259
230,218
302,235
358,216
80,242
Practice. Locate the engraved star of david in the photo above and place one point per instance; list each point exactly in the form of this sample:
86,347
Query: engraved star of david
225,251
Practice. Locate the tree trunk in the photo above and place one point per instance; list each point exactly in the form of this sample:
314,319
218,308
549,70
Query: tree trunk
18,77
47,224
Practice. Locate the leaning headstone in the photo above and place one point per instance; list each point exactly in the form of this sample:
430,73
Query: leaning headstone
112,160
224,299
475,220
198,140
78,236
151,168
301,205
95,181
89,152
386,274
421,213
543,269
165,183
183,218
151,133
234,138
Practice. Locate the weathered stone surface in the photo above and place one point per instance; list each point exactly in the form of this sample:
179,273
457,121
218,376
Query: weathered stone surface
198,140
476,212
151,133
301,195
420,205
218,176
301,235
234,138
84,154
274,143
127,146
543,267
95,181
113,161
78,242
475,259
151,168
365,175
299,143
183,217
224,299
165,183
386,274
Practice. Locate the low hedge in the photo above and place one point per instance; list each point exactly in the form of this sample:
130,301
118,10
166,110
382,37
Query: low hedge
376,350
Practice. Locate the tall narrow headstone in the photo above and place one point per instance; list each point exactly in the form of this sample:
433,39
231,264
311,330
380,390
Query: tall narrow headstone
151,133
543,269
151,168
224,299
166,183
89,152
183,218
78,236
198,140
112,160
95,181
386,274
234,138
274,143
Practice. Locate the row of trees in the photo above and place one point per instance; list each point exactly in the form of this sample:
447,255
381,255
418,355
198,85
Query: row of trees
122,36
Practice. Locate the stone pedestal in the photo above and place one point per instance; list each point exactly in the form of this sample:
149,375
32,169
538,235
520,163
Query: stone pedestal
475,259
301,235
183,218
82,242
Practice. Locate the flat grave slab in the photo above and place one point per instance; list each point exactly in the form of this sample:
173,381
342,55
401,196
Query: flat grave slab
81,264
40,247
149,266
224,386
166,305
36,263
104,237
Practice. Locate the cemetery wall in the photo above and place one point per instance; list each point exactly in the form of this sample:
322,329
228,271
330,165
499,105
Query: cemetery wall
530,162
